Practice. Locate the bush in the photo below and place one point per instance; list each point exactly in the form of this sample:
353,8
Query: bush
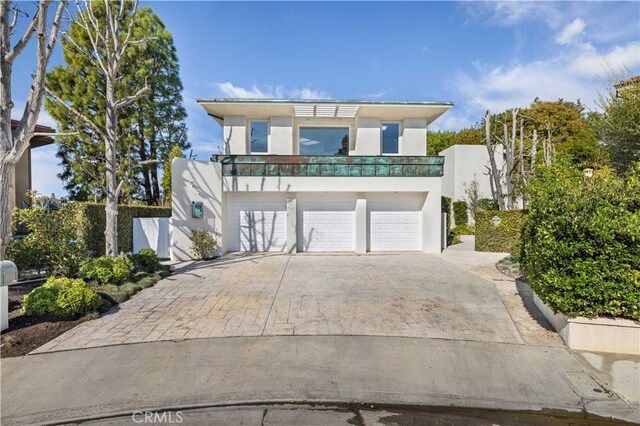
62,296
501,235
464,230
460,213
581,242
51,243
145,259
203,244
107,269
487,204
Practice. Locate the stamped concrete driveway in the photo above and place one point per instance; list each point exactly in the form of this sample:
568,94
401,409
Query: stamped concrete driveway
410,294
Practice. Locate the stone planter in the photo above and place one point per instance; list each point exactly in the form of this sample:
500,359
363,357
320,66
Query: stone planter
598,335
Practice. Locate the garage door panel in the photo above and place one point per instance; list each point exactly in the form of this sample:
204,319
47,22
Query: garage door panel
395,222
257,222
327,222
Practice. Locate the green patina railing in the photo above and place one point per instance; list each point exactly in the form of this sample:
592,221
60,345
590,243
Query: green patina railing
356,165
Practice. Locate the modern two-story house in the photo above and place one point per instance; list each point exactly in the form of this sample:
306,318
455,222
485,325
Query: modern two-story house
313,175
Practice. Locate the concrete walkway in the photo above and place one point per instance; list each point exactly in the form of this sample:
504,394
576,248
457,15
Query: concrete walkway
240,370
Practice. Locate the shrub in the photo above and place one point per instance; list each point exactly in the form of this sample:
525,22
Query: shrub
581,242
107,269
445,206
487,204
51,243
145,258
460,213
62,296
498,235
464,230
203,244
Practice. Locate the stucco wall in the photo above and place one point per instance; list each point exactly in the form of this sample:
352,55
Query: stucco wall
414,137
463,164
23,178
235,135
193,180
281,136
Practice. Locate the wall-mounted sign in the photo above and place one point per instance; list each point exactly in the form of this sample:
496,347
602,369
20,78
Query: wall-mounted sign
496,220
197,211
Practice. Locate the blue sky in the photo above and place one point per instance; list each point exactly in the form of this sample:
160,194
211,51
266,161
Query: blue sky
480,55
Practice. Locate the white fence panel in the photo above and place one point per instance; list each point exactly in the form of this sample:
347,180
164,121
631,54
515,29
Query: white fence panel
152,232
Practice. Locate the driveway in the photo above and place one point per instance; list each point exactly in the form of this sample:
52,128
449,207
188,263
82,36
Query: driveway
410,295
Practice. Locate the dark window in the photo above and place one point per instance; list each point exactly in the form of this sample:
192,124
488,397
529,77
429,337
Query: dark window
324,141
259,136
390,138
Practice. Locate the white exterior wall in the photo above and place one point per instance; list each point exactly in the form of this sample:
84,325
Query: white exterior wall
462,164
203,181
193,180
414,137
281,136
235,135
368,137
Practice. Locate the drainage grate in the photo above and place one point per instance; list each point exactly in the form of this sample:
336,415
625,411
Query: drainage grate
587,387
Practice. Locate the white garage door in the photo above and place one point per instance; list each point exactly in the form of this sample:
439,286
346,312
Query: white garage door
326,222
394,221
257,222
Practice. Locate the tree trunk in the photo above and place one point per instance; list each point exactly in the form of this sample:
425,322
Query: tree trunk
153,154
142,151
111,208
494,174
7,199
508,155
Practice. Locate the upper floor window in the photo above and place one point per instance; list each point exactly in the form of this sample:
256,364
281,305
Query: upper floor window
324,141
390,138
259,138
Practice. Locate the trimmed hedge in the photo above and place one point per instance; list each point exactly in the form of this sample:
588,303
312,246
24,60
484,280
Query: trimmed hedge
580,245
460,213
93,220
501,237
445,207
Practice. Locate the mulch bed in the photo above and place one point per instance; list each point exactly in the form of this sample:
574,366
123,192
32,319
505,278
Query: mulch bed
26,333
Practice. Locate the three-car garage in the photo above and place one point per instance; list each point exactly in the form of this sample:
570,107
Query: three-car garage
325,222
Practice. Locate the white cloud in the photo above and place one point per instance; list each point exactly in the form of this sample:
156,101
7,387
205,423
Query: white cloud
592,63
228,89
508,13
570,32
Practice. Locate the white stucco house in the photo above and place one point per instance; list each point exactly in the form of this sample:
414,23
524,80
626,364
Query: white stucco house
313,175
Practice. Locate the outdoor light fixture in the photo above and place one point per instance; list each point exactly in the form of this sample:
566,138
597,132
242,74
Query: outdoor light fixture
197,211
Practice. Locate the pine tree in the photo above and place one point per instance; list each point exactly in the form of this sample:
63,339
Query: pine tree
148,128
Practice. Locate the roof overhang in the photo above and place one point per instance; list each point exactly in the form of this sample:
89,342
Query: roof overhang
323,108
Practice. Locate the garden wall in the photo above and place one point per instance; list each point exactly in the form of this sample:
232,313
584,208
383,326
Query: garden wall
92,220
499,234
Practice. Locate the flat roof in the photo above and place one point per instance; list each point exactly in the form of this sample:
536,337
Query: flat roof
321,101
323,108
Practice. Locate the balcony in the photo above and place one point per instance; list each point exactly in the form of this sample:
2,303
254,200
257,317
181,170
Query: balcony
317,166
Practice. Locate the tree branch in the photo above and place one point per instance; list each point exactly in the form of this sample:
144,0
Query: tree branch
128,100
28,33
75,113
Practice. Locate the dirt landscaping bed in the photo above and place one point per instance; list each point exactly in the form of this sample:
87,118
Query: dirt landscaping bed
28,332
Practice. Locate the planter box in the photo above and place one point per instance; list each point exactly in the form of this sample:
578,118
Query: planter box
620,336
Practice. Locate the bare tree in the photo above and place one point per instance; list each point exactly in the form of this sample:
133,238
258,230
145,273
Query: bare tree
110,33
494,173
14,142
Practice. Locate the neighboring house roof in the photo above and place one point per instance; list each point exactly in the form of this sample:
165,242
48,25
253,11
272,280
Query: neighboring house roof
37,141
323,108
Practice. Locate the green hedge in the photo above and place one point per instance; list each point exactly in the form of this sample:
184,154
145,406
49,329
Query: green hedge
580,245
460,213
500,237
445,207
93,219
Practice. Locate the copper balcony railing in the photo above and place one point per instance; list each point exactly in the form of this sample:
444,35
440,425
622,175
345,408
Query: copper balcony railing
356,165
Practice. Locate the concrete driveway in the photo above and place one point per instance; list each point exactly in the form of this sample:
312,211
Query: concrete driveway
410,295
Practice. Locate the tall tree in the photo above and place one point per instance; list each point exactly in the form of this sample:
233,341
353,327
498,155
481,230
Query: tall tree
108,27
148,127
619,125
14,142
